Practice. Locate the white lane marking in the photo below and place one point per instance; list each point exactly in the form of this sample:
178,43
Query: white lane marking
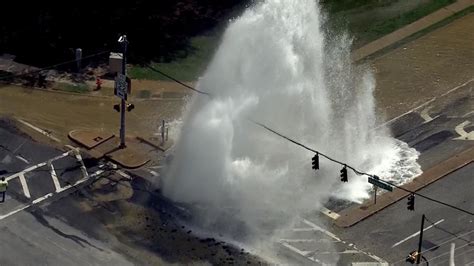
417,233
19,146
54,177
380,260
329,213
22,159
302,229
26,191
298,240
49,195
34,167
424,104
318,228
78,156
301,253
153,173
468,114
463,135
157,167
47,134
349,251
426,116
123,174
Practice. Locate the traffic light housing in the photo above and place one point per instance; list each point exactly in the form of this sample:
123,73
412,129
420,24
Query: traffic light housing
411,202
344,174
412,257
117,107
130,107
315,162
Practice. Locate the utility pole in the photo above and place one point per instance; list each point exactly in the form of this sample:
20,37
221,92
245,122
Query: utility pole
418,258
124,42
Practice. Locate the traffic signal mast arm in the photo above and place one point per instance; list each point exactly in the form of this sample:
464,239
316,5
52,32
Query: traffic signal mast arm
313,150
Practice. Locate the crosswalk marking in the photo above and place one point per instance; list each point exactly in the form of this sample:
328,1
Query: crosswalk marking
329,213
308,226
54,177
49,195
26,191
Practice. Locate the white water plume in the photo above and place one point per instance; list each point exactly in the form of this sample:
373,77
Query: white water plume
276,66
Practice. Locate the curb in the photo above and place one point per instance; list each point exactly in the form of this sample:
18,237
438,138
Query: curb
354,215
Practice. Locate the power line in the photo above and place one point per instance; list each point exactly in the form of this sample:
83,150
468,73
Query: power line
446,253
446,231
362,173
51,67
317,152
177,81
437,246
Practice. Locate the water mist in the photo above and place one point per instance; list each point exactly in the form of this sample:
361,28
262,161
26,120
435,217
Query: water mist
277,67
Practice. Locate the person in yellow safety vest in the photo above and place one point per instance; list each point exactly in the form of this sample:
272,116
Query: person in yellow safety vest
3,188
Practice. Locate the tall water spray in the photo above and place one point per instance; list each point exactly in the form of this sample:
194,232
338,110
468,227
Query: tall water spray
276,66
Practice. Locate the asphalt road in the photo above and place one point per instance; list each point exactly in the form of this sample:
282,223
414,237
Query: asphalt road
385,233
30,237
435,131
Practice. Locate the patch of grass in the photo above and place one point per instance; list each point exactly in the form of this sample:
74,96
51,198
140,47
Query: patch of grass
390,25
76,88
334,6
188,68
421,33
368,20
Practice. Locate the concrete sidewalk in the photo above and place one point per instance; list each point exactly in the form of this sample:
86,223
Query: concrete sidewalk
410,29
353,215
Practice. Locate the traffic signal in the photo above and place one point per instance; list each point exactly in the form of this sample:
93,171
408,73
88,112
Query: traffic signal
117,107
412,257
316,162
344,174
411,202
130,107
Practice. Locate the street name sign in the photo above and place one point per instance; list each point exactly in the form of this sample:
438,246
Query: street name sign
376,182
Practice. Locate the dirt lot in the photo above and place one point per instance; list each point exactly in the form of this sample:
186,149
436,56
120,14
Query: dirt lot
61,112
427,67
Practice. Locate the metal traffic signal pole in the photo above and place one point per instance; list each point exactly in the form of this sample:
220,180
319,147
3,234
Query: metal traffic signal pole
123,40
418,258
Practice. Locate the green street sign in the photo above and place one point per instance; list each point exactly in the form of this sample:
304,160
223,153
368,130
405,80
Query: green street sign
376,182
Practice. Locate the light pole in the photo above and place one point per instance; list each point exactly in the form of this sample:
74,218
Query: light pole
124,42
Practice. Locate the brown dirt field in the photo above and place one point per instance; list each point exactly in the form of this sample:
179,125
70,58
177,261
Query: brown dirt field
427,67
60,113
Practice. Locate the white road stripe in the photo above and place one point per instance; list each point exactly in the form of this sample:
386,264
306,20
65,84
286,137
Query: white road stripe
153,173
417,233
122,173
426,116
424,104
329,213
26,191
54,177
34,167
83,167
338,239
22,159
39,130
318,228
302,229
301,253
49,195
298,240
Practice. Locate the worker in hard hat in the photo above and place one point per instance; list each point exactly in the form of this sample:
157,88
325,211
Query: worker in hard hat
3,188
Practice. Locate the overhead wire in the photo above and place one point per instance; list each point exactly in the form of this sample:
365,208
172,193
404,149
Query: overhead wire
320,153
